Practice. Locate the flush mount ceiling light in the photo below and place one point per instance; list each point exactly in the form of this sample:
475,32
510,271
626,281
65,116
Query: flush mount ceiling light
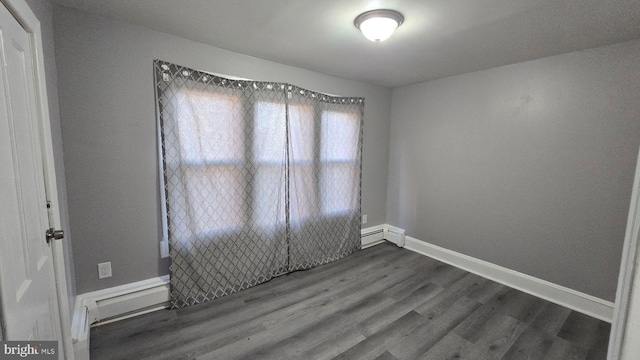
378,25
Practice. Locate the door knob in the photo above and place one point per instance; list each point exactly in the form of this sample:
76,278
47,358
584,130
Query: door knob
53,234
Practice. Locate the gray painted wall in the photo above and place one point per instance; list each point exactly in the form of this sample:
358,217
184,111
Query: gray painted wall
528,166
43,9
109,129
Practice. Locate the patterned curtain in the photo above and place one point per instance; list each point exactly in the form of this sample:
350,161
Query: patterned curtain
260,179
325,135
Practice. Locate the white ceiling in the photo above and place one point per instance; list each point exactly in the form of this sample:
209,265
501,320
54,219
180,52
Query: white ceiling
439,37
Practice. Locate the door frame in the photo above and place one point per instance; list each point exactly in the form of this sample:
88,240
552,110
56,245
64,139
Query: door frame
628,274
22,12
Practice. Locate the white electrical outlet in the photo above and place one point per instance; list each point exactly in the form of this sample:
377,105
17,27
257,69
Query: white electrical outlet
364,219
104,270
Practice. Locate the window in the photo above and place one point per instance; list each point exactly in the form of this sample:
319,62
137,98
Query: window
339,159
269,156
211,155
213,127
304,194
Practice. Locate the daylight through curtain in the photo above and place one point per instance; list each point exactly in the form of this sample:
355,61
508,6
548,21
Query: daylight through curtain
260,179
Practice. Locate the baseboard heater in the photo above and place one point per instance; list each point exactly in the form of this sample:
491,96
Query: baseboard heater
372,236
117,303
394,235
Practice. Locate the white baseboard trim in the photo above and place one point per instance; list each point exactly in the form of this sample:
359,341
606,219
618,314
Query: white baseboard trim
572,299
80,331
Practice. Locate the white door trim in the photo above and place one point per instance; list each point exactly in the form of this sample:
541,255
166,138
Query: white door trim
627,274
31,24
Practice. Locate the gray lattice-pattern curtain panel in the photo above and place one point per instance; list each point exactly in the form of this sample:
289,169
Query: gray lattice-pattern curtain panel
260,179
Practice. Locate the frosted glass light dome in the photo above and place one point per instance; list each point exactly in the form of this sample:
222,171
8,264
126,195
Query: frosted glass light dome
378,25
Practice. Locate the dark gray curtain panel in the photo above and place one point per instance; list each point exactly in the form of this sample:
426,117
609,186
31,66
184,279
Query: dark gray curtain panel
259,179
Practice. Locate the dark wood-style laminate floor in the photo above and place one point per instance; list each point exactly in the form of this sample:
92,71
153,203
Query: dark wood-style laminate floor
379,303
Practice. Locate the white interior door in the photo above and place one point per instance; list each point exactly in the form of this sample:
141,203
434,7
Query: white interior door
27,284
